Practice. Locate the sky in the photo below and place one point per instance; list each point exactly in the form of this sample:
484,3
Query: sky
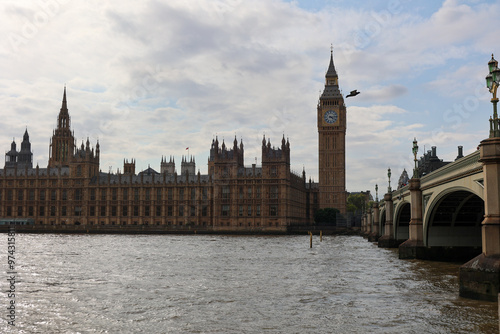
151,78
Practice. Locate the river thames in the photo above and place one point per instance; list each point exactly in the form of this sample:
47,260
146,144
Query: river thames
231,284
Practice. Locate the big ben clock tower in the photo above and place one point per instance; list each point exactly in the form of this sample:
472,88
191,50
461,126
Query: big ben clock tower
331,143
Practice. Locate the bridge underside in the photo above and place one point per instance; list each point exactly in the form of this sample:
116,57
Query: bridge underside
402,223
454,228
382,224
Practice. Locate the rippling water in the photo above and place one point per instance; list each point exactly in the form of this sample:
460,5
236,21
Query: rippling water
233,284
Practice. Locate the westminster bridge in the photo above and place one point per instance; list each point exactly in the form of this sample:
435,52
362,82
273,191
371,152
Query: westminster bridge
450,214
452,209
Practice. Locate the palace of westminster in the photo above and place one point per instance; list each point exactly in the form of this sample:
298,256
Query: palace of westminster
232,197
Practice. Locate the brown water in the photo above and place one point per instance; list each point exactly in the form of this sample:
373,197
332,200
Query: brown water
232,284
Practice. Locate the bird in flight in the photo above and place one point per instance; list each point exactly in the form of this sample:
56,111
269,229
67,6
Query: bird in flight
353,93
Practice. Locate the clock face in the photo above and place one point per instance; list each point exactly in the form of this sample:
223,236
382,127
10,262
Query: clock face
331,117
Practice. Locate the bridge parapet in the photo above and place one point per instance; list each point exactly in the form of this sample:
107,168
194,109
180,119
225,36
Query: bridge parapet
461,168
463,175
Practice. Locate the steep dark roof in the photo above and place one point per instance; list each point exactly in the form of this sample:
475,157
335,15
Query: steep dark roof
149,171
331,91
331,68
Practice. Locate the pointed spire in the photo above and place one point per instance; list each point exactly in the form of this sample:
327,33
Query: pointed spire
64,102
331,68
331,83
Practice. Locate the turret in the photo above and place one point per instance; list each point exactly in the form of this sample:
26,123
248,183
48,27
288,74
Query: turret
84,161
11,156
224,158
129,167
188,166
167,167
272,154
25,159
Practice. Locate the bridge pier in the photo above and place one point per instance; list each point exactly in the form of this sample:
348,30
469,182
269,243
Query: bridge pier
413,248
363,225
368,225
480,277
375,222
388,240
369,222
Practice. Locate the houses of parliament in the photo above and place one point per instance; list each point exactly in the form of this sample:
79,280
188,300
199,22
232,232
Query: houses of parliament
72,192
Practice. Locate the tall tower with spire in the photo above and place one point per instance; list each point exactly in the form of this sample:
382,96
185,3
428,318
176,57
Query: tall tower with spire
22,159
11,156
62,144
25,155
331,143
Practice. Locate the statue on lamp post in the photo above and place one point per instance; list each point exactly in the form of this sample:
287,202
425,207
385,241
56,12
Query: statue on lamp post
389,176
415,152
492,82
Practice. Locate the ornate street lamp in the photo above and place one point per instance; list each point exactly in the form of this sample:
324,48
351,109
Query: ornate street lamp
415,152
376,193
389,176
492,82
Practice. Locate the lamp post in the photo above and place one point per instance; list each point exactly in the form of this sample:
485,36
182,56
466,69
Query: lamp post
492,82
376,193
480,277
415,152
389,176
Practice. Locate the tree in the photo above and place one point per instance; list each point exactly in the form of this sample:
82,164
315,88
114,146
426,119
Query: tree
327,215
356,202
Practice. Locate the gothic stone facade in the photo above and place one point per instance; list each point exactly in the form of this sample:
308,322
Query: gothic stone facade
231,197
332,125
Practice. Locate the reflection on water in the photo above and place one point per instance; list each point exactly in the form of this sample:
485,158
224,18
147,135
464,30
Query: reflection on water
234,284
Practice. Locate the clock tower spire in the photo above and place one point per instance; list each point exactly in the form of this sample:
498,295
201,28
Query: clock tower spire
331,142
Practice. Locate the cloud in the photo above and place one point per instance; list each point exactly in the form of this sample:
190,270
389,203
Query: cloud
459,82
377,94
150,78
